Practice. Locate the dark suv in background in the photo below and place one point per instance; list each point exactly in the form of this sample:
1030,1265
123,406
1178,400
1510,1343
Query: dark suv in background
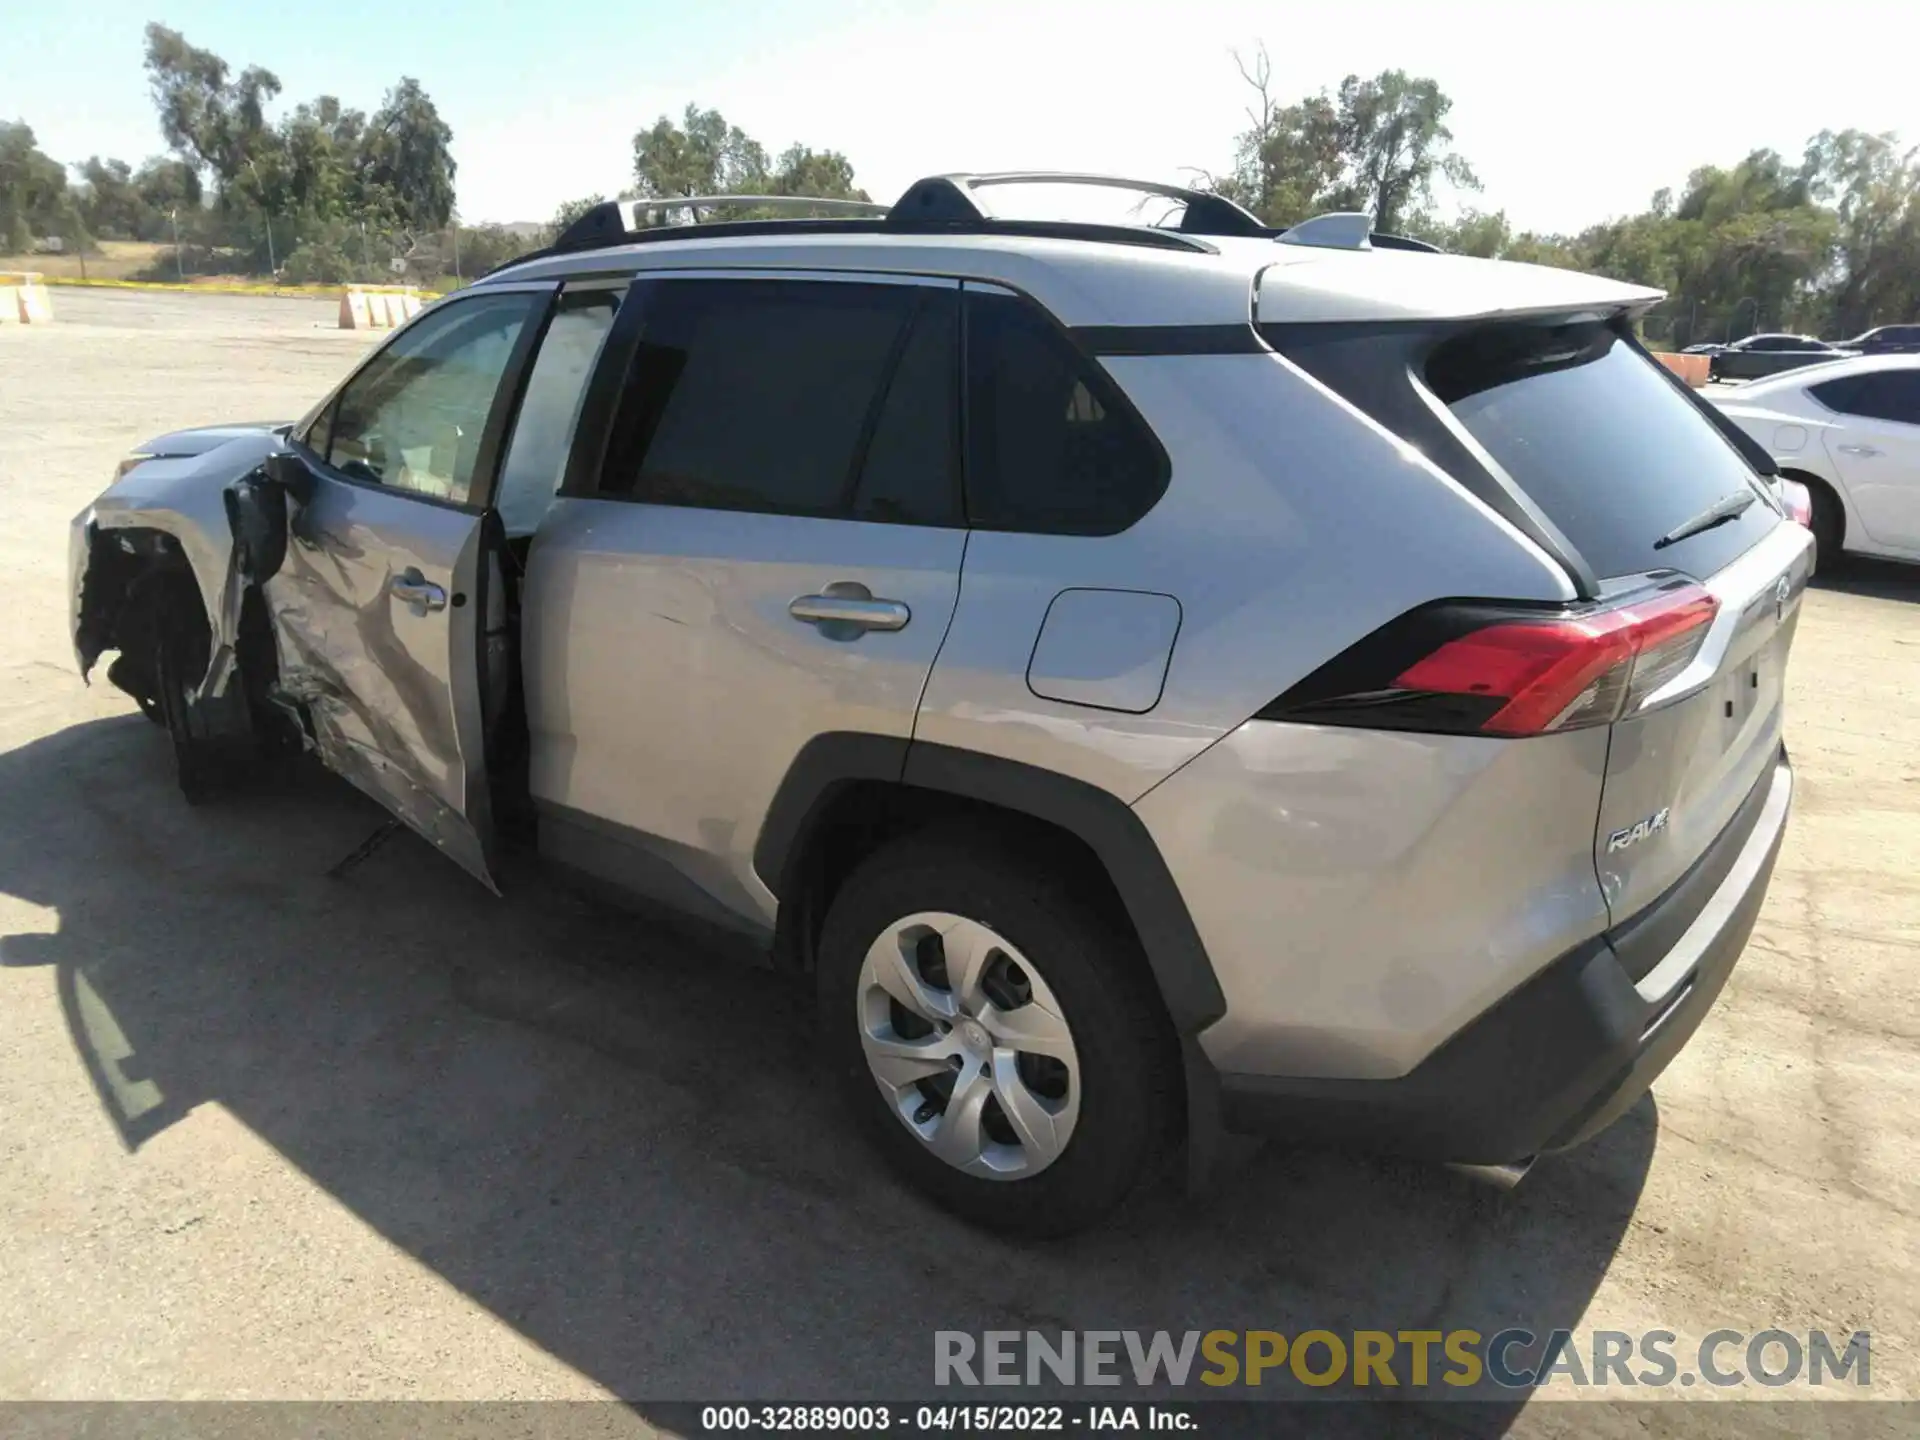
1886,340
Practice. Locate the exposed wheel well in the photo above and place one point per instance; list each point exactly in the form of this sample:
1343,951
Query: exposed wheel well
134,578
127,570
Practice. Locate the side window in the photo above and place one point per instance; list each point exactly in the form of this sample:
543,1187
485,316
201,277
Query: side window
912,471
1843,396
1899,396
1883,395
414,417
320,432
536,456
1052,446
771,395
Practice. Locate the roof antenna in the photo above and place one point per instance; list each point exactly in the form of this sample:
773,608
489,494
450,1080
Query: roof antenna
1338,230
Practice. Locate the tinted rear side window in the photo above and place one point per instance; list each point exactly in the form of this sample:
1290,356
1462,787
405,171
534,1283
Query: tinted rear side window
756,394
1052,446
1884,395
1602,442
911,475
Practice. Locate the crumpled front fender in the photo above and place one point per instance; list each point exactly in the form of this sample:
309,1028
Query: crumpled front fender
182,499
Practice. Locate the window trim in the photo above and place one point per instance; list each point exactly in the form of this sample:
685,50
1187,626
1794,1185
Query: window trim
500,414
1115,398
598,285
606,388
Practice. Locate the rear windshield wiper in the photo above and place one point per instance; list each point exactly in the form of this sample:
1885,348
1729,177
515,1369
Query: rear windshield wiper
1727,507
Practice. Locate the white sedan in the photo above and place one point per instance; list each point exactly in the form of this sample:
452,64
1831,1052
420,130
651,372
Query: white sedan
1850,433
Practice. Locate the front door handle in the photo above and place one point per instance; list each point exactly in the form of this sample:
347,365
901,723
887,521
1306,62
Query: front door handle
846,610
416,592
1865,450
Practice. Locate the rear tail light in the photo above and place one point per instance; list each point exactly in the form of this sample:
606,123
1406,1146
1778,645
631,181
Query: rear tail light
1475,669
1798,501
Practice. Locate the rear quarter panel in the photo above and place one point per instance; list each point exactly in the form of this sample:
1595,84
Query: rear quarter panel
1363,894
1292,526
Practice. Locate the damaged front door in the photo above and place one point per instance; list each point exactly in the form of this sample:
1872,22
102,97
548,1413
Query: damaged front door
380,606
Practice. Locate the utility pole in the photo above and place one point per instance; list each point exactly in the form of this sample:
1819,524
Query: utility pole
266,218
456,244
179,265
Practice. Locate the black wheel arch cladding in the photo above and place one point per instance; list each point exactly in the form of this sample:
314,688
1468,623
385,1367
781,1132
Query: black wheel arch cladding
1108,827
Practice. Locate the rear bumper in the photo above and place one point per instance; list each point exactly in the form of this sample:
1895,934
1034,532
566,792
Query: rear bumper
1572,1049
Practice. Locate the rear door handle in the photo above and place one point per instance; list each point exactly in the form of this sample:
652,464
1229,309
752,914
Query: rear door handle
416,592
1866,450
846,609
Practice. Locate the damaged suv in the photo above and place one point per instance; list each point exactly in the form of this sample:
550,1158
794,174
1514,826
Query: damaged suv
1159,681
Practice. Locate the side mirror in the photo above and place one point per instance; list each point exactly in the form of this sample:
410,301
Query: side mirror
290,473
257,505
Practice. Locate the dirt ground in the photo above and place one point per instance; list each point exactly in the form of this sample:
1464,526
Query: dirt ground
109,260
266,1134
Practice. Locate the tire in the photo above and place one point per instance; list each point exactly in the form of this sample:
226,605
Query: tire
1107,1098
181,643
1829,528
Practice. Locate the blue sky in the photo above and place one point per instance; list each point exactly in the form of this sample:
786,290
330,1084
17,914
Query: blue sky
544,100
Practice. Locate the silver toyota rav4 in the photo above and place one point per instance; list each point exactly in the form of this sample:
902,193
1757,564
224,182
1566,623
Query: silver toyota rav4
1161,682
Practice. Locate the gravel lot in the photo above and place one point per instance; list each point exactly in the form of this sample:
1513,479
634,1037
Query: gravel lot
272,1135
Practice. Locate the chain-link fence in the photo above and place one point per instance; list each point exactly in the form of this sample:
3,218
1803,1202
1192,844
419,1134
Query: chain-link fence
205,245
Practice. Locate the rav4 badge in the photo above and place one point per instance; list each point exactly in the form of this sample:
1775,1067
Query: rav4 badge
1652,825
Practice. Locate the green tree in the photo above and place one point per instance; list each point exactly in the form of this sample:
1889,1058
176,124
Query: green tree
33,190
325,182
1476,232
703,155
404,159
570,211
165,185
1873,187
109,201
1379,145
824,174
1395,142
210,116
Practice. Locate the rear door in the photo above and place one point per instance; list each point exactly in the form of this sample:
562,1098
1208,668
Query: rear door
767,552
1629,471
378,609
1876,449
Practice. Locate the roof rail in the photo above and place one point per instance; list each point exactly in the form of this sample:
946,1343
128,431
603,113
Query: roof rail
949,199
614,222
952,204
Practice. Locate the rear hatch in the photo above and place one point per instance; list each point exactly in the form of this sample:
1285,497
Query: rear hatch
1672,523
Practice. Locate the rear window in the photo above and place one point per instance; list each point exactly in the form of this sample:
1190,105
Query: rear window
1603,443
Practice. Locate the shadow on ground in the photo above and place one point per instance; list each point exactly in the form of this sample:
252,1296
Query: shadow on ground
1875,579
627,1150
